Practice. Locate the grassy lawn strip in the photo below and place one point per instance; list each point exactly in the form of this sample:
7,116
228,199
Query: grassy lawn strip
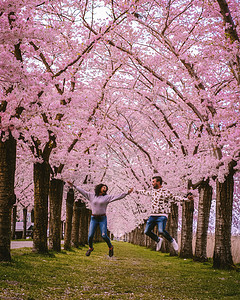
133,273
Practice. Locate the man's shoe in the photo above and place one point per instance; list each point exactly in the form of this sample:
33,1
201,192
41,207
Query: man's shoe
89,251
111,251
175,245
159,244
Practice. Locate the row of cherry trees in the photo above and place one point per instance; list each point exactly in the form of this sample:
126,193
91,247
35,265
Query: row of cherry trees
185,96
120,90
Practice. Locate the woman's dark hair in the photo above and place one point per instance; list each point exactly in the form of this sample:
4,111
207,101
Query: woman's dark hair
158,178
98,189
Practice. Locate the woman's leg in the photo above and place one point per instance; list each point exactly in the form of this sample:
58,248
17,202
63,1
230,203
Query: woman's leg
103,229
92,229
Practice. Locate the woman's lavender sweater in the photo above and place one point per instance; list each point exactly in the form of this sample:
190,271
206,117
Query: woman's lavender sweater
99,203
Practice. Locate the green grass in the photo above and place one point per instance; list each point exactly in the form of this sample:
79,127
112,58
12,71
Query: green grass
133,273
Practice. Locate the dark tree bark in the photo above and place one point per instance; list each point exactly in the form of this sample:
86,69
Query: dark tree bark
231,29
136,236
204,205
7,196
62,230
141,235
24,234
187,226
14,220
87,217
69,216
41,190
55,224
32,215
222,257
173,226
83,225
75,223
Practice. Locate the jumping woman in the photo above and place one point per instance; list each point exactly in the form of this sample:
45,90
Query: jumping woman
99,202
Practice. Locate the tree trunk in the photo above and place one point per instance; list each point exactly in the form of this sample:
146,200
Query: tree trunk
32,215
186,233
142,235
69,216
173,226
204,205
14,220
24,234
41,190
7,196
62,230
55,224
222,257
75,224
88,218
83,225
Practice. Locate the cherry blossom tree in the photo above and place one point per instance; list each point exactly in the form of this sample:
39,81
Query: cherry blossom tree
200,92
105,89
16,94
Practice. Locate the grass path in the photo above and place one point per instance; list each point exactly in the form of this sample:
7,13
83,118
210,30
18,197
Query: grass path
133,273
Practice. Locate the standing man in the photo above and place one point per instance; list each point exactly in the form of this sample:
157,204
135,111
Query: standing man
160,208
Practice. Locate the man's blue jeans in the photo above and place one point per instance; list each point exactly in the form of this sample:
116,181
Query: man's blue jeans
161,222
102,222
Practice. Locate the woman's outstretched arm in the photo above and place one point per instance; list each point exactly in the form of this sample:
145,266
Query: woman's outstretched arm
82,191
